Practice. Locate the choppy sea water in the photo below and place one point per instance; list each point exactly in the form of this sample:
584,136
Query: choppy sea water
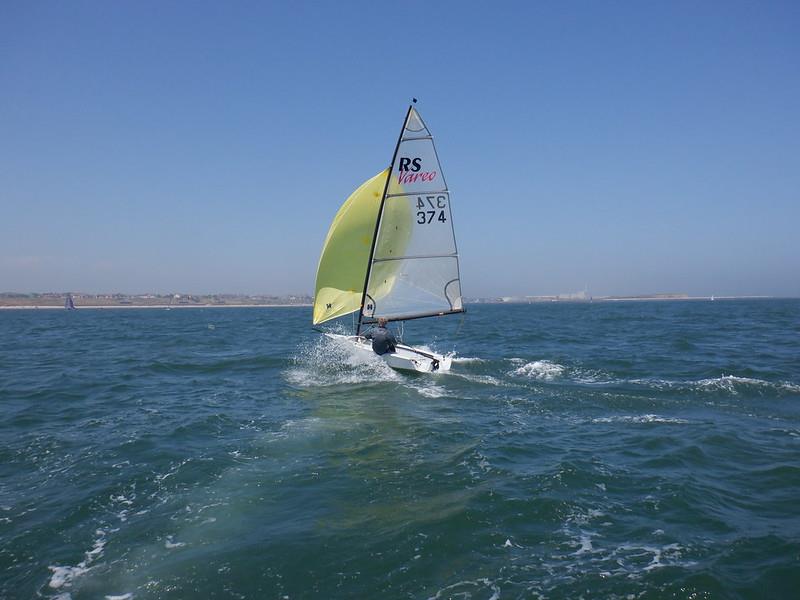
637,450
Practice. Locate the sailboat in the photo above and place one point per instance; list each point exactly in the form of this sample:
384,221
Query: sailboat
391,250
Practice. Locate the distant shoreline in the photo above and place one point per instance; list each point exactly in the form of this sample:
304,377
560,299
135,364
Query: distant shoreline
555,300
707,298
148,306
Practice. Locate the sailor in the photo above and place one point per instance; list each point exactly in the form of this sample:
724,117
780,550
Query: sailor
383,340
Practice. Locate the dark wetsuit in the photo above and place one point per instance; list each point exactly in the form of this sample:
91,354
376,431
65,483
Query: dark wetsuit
383,340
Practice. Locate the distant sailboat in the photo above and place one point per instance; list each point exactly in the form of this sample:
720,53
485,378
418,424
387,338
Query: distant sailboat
68,303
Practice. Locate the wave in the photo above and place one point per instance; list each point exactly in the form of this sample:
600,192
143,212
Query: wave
549,371
65,576
730,384
468,359
640,419
546,370
480,379
330,361
543,370
465,589
431,391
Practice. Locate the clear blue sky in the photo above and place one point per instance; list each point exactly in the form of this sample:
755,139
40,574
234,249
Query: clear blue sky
635,147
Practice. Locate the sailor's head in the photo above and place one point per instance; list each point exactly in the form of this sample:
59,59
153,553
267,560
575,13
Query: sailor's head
381,322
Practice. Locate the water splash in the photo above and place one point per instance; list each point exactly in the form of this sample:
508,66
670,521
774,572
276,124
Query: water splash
335,361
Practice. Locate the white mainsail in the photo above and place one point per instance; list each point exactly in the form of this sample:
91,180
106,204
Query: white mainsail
413,269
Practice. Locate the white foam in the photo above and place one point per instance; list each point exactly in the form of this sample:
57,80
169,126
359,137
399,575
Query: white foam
543,370
731,384
590,377
467,359
671,550
460,589
586,544
482,379
212,505
174,468
728,383
432,391
169,544
121,499
127,596
638,419
64,576
628,555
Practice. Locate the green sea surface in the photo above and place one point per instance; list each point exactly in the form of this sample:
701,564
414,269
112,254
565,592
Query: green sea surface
604,450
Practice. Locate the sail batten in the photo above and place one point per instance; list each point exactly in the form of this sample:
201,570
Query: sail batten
453,255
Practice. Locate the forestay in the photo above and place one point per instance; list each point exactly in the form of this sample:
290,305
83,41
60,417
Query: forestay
414,266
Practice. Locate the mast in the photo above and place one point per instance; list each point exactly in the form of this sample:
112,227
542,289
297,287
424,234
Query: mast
380,214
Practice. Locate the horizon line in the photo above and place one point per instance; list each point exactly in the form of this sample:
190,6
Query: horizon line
505,298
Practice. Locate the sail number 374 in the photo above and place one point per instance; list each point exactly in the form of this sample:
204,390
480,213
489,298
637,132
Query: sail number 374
430,209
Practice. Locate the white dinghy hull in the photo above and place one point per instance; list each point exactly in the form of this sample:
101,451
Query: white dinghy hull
404,358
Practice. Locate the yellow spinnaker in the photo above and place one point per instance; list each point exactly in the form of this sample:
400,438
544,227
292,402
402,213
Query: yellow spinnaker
345,254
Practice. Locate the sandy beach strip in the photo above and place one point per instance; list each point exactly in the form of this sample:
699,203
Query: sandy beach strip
162,306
